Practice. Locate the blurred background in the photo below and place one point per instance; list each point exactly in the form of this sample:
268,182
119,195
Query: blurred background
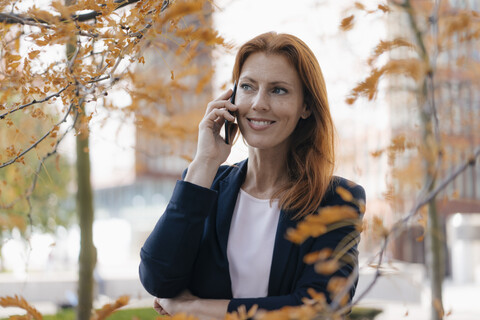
134,170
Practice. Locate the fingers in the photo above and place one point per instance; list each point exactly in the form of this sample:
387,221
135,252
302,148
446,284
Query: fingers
221,102
216,118
159,308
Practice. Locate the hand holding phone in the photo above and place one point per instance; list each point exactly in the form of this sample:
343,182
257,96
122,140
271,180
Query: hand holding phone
227,123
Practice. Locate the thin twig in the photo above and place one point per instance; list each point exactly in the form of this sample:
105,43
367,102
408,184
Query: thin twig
11,18
30,190
34,101
36,143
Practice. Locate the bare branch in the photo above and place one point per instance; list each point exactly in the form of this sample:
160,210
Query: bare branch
29,192
57,94
36,143
11,18
401,223
469,163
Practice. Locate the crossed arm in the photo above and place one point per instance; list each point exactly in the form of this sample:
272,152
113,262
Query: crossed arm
203,309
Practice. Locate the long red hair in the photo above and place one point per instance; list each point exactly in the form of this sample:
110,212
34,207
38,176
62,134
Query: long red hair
311,156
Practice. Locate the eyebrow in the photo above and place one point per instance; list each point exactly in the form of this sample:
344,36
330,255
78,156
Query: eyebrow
271,83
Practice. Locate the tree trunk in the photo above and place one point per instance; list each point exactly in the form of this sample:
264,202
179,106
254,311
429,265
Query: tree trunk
435,233
88,252
435,261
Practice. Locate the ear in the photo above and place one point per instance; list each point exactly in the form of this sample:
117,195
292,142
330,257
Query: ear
306,112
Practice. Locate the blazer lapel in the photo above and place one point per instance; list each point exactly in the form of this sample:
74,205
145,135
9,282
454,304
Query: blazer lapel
282,255
228,189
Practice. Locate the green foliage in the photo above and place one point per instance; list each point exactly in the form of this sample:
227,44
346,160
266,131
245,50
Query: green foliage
125,314
32,192
359,313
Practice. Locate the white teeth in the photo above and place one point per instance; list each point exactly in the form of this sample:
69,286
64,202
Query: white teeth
260,123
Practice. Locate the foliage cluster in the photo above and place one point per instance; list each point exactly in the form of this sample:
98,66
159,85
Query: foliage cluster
44,89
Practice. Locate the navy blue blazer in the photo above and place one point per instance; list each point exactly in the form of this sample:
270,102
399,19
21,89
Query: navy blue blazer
188,247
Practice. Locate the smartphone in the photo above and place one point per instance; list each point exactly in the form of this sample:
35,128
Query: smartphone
227,123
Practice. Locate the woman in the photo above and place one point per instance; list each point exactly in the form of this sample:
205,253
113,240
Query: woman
221,242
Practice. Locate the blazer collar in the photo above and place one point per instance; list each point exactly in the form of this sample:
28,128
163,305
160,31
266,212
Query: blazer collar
282,252
228,189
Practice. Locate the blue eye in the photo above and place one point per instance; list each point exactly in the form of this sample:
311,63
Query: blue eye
279,90
245,86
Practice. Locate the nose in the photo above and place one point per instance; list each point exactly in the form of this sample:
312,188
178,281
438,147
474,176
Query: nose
260,101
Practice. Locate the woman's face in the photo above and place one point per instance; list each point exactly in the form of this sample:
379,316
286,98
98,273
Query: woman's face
270,101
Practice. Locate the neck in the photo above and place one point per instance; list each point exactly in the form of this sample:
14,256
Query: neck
266,173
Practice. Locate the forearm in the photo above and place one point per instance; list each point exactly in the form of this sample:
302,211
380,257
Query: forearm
211,308
192,305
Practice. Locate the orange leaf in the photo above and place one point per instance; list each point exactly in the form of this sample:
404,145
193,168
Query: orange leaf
344,194
327,267
347,23
33,54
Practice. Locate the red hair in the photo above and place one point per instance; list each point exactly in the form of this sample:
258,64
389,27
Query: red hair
311,156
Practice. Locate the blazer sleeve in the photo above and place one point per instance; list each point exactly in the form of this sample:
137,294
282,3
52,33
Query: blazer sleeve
168,255
309,278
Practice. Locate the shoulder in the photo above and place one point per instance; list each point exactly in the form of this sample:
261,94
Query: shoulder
333,195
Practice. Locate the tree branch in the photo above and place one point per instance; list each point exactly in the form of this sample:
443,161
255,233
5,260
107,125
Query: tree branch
29,192
11,18
32,146
57,94
401,223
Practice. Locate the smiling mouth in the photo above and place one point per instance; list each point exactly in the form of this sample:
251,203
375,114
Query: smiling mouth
260,122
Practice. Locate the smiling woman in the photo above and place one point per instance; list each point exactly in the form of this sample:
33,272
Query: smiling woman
221,242
270,102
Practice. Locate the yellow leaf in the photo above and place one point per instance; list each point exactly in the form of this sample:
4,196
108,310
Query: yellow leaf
332,214
33,54
13,65
384,8
327,267
321,255
344,194
108,309
359,6
20,302
347,23
14,57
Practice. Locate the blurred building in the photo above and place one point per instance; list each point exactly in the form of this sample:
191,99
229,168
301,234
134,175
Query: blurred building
161,150
457,101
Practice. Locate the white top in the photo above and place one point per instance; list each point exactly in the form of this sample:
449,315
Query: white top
250,245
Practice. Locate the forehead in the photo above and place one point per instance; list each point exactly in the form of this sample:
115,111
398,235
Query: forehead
269,67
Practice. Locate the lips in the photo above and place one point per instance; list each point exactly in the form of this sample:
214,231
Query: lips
259,124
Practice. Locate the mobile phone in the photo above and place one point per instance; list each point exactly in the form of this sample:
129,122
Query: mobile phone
227,123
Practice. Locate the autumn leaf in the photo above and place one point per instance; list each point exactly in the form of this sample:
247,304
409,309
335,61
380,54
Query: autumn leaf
33,54
347,23
344,194
20,302
315,225
110,308
327,267
383,7
321,255
336,286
